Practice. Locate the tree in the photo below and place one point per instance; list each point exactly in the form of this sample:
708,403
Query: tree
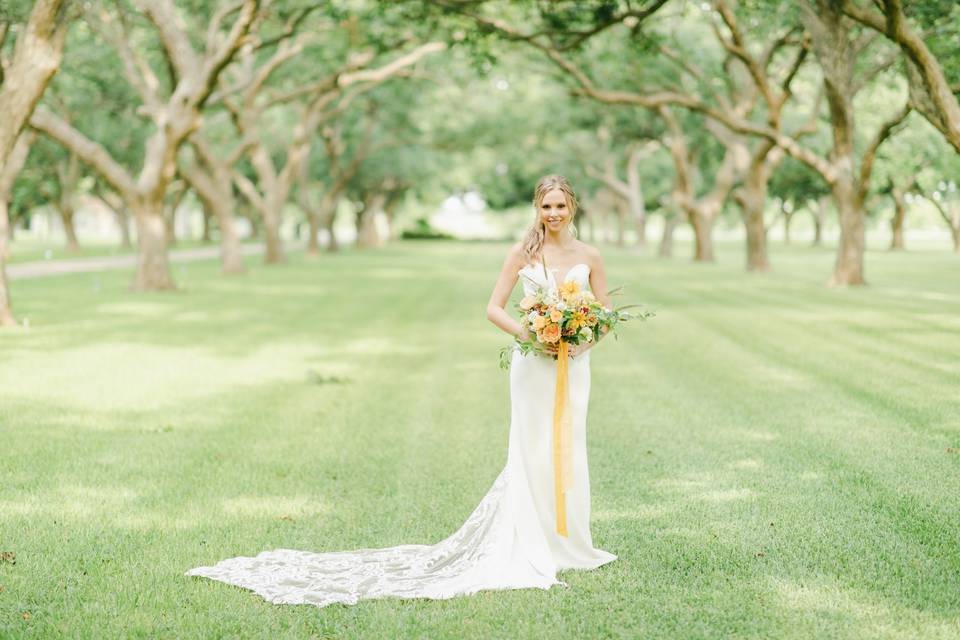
174,114
36,58
932,90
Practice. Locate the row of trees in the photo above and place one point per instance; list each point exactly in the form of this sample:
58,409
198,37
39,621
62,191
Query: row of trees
154,99
736,70
689,110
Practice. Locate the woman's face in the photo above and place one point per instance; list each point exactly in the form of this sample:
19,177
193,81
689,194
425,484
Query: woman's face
554,213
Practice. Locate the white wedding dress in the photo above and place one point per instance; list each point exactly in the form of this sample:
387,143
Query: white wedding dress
508,542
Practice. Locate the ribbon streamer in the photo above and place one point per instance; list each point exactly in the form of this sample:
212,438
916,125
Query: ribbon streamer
562,439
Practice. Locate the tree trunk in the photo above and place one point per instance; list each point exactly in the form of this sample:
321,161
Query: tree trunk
787,219
757,258
170,215
641,227
169,226
390,210
36,58
6,238
313,230
587,228
702,224
6,312
752,198
118,209
638,209
329,218
848,269
368,237
153,267
316,215
215,192
952,218
819,215
621,208
274,253
9,171
832,43
206,236
896,224
670,223
231,258
123,223
69,229
68,175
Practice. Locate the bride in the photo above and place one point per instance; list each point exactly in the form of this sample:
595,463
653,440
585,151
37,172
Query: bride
525,528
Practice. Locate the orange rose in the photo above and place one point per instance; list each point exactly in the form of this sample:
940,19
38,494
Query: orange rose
550,333
539,322
556,316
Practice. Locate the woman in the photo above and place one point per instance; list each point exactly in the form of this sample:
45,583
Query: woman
521,533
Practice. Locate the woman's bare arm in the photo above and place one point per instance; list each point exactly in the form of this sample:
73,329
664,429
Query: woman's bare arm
496,312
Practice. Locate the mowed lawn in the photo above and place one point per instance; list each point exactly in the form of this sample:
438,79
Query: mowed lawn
769,458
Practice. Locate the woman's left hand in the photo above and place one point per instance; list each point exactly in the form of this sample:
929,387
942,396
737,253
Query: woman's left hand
579,349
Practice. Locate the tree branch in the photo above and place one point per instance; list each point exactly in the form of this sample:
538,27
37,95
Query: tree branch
89,151
869,156
892,22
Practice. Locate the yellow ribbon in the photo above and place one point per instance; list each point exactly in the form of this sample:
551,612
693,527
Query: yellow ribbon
562,440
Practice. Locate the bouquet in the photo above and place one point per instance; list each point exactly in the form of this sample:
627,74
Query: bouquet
568,315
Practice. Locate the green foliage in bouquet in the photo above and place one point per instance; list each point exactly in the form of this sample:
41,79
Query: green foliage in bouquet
570,315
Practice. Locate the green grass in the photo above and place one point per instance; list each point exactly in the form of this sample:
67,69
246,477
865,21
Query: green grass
40,251
769,458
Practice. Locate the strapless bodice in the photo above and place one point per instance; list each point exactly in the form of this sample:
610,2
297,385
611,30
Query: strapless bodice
532,277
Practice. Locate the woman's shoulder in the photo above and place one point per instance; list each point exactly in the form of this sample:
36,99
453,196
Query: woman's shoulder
516,257
591,252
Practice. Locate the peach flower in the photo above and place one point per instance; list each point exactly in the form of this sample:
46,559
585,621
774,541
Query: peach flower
550,333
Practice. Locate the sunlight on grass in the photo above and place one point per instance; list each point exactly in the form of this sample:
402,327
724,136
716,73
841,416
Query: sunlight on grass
71,500
114,376
768,458
276,506
835,605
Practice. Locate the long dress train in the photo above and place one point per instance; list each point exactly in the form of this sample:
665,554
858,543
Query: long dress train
508,542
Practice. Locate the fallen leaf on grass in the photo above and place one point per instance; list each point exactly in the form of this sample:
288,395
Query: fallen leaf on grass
26,615
287,518
8,556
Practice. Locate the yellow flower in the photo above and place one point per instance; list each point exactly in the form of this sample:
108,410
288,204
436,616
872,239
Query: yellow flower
578,320
568,289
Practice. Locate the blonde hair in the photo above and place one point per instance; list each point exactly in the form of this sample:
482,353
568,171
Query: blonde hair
533,239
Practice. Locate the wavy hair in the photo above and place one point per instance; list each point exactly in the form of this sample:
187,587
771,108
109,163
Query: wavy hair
533,239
